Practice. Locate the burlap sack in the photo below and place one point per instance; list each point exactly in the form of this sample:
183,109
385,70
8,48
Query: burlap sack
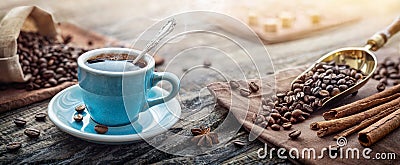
25,18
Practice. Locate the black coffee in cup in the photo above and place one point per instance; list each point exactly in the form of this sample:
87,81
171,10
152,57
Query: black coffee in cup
115,62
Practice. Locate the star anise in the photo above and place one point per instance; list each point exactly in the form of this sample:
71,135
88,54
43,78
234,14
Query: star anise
203,136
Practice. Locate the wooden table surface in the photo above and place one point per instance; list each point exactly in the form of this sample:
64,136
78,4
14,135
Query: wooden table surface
125,21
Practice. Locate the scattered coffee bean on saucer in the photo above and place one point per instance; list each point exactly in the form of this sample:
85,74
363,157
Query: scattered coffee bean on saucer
294,134
40,116
101,129
13,146
80,108
19,122
78,117
32,133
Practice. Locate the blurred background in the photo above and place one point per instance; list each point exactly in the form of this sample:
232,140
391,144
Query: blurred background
126,20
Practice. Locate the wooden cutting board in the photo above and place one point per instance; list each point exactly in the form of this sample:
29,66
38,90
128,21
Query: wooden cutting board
301,25
15,98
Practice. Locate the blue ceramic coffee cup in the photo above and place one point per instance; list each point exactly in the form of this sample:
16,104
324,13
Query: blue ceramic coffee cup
117,98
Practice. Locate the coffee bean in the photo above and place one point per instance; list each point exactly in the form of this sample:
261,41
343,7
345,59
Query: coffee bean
294,134
253,87
244,92
296,85
270,120
297,90
285,120
276,115
394,76
234,84
384,81
19,122
323,93
341,81
32,133
60,70
281,94
80,108
101,129
284,109
286,126
275,127
40,116
46,85
287,115
381,87
335,91
389,62
293,120
307,108
29,86
62,79
48,74
52,81
296,113
78,117
307,90
359,76
329,88
343,87
13,146
383,72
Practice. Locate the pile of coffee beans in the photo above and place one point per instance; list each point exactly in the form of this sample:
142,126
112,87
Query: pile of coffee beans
308,93
47,62
78,117
388,70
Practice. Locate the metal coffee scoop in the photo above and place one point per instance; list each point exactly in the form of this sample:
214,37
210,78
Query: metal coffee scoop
361,58
164,31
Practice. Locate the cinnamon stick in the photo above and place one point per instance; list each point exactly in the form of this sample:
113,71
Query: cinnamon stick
377,131
331,126
363,104
365,123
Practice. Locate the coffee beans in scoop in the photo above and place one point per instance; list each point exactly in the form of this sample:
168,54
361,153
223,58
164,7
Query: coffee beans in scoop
308,93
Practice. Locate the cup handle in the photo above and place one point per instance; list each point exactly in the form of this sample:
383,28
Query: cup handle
171,78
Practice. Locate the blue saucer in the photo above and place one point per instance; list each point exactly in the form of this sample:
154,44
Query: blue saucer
152,122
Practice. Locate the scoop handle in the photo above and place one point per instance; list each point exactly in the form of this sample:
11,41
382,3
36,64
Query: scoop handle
379,39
